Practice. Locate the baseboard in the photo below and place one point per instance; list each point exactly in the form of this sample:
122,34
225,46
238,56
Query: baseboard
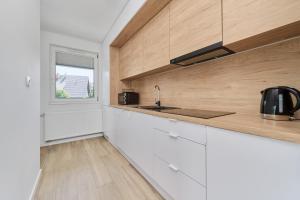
82,137
36,183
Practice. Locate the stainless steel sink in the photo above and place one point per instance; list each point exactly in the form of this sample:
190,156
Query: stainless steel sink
156,108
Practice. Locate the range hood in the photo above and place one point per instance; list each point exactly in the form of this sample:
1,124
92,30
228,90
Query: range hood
213,51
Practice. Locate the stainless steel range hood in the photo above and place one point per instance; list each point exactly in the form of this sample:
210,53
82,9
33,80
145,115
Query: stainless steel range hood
213,51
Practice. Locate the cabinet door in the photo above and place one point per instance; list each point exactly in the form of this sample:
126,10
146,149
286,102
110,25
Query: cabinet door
109,123
131,57
194,24
241,166
243,19
117,127
142,142
156,41
114,125
124,131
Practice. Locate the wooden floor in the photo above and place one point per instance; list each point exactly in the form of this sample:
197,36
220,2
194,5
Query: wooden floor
90,169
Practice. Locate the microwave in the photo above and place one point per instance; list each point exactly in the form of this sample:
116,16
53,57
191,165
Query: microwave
128,98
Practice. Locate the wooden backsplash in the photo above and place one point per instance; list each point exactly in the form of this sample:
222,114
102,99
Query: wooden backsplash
231,83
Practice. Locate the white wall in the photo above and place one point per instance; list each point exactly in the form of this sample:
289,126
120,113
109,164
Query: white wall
19,105
129,11
66,114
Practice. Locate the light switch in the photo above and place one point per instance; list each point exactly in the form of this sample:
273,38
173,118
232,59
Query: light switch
28,81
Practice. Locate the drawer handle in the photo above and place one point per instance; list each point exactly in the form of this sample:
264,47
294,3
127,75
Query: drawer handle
173,168
173,135
160,130
172,120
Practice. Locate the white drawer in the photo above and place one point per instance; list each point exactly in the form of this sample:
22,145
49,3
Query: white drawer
194,132
175,183
188,189
190,131
189,157
164,176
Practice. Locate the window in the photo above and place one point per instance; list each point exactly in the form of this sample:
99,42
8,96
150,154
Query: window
74,74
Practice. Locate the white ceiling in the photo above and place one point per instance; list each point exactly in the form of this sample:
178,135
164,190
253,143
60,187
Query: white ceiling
87,19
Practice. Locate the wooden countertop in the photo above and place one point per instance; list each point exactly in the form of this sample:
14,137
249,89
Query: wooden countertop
250,124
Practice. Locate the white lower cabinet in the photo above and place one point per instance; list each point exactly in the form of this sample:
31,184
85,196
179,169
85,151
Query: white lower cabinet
172,153
248,167
124,132
185,155
180,159
142,141
110,122
135,138
194,162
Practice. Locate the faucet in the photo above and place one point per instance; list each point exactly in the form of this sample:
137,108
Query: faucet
157,99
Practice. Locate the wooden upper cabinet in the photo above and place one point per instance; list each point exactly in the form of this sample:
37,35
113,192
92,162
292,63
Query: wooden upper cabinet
156,41
194,24
131,57
257,18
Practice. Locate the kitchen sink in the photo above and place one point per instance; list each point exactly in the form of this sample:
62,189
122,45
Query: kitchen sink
156,108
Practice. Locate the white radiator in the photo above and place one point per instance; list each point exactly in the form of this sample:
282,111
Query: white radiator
60,125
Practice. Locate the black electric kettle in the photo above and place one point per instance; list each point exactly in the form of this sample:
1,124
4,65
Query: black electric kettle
277,103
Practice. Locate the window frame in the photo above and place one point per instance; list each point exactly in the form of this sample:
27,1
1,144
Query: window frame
56,48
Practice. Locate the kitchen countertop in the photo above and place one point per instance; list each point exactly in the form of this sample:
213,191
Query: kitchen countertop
250,124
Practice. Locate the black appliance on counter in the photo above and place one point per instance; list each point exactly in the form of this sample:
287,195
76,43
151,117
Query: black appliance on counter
213,51
128,98
277,103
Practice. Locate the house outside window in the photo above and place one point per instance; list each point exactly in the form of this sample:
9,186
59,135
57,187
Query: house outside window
74,75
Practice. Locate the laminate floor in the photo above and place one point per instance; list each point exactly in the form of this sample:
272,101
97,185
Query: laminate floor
90,169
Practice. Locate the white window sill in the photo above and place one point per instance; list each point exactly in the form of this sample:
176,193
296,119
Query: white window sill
73,101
